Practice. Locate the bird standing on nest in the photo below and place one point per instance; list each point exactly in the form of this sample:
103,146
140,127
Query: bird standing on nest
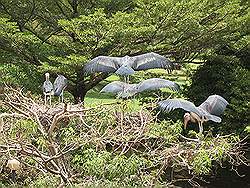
210,109
59,85
47,89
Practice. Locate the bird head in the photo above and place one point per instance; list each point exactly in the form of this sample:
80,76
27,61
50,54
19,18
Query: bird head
13,164
47,75
177,66
187,118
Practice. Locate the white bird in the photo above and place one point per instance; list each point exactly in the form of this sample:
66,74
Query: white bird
210,109
47,89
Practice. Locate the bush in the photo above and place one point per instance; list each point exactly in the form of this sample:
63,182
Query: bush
224,76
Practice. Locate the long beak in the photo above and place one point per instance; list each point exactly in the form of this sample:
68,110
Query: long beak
185,123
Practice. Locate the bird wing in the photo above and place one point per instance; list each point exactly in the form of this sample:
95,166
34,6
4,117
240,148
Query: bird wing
129,90
59,84
47,87
214,104
214,118
209,116
114,87
102,64
157,83
151,61
171,104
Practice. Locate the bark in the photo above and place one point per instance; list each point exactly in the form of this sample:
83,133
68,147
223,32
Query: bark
81,88
80,93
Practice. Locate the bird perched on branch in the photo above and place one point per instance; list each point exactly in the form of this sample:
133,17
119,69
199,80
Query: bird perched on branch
125,90
210,109
127,65
59,85
47,89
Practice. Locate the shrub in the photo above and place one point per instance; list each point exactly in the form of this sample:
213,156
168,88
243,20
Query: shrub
224,76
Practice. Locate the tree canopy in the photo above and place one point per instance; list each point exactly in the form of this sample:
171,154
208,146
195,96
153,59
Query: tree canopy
61,36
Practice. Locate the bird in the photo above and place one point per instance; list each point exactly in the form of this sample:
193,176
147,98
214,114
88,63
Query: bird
13,165
48,89
210,109
127,65
122,89
59,85
125,90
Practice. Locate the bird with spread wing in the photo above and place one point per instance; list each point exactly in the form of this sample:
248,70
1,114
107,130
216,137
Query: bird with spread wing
125,90
127,65
210,109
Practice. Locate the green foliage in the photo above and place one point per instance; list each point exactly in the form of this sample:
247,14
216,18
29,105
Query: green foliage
104,164
202,163
226,77
43,181
211,149
166,129
21,75
247,129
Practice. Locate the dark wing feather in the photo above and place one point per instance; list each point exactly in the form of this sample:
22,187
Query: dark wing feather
214,104
157,83
114,87
59,85
151,61
102,64
171,104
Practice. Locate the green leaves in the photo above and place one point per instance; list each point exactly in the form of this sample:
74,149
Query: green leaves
202,163
104,165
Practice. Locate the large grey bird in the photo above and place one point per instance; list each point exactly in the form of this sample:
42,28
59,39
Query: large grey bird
210,109
47,89
126,90
127,65
59,85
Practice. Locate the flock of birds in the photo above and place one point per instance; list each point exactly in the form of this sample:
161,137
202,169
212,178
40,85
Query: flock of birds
210,109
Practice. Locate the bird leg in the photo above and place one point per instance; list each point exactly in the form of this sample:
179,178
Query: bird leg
49,99
45,100
200,127
62,96
13,175
59,99
125,79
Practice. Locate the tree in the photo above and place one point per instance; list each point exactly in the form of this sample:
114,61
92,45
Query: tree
61,36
